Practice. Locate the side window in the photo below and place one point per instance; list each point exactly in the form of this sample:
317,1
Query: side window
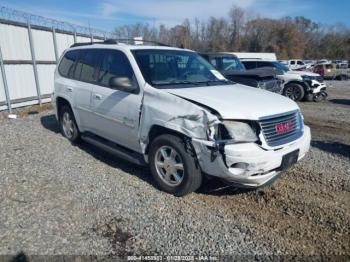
114,64
249,64
292,62
265,64
66,66
87,68
300,63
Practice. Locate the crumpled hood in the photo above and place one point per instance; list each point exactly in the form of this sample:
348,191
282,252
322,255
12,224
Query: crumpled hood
237,101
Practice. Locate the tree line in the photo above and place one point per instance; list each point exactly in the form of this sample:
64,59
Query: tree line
241,31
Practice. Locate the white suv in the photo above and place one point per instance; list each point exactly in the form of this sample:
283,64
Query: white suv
170,109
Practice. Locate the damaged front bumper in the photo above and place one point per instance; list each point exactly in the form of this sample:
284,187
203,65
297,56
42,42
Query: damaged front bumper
317,87
247,164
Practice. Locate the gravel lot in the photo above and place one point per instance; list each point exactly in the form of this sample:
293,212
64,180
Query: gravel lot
56,198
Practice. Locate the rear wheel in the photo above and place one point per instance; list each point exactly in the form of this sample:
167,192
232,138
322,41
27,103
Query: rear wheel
173,166
294,91
68,125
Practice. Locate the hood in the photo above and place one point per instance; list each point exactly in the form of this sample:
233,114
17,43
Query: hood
237,101
256,73
302,73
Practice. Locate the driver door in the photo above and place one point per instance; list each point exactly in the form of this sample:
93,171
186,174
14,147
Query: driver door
116,112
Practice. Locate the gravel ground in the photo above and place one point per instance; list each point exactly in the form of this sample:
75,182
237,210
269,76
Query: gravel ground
56,198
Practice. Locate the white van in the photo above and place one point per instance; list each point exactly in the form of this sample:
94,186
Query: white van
170,109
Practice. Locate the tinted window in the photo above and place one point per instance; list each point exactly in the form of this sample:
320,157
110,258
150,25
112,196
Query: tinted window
265,64
232,63
66,67
249,64
292,62
114,64
300,63
88,66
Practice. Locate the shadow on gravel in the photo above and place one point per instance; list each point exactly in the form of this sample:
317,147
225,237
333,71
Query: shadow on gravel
49,122
332,147
341,101
20,257
217,187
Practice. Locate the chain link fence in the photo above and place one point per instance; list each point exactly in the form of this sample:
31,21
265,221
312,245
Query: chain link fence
30,46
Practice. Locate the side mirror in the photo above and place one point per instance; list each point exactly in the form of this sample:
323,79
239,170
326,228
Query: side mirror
123,84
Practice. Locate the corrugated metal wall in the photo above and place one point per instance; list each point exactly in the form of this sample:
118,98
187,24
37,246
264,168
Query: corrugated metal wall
28,60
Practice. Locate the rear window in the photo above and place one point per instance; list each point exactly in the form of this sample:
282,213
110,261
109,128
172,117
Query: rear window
66,66
265,64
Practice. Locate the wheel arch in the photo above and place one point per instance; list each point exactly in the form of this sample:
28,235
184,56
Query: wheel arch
305,86
157,130
60,102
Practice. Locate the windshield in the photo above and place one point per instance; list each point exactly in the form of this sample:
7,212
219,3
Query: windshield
280,66
176,69
227,63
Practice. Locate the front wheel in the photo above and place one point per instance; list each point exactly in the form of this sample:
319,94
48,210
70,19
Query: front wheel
173,166
294,91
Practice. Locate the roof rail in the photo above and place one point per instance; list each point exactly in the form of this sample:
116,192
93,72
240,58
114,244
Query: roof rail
117,41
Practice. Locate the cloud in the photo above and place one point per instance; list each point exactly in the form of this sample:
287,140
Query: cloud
170,11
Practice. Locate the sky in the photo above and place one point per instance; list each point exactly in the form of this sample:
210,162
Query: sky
107,14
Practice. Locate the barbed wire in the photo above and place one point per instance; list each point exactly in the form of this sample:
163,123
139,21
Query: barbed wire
7,13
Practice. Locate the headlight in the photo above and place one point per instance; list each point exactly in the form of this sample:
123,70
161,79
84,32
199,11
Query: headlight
240,131
262,85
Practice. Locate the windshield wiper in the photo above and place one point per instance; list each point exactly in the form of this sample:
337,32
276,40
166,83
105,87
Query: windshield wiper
215,81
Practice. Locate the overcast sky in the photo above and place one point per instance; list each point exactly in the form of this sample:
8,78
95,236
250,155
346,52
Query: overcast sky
106,14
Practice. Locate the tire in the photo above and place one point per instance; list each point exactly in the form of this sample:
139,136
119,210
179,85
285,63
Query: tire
294,91
68,124
168,154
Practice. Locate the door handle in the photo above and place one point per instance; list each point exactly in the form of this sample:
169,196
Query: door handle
69,89
98,97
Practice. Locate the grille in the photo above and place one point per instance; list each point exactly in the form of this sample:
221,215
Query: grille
281,129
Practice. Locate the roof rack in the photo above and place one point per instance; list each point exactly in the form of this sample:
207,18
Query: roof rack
119,40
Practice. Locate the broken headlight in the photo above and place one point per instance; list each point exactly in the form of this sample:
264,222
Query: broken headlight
240,131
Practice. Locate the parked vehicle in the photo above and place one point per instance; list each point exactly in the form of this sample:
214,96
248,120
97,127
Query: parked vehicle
332,71
256,55
171,109
232,68
298,85
296,64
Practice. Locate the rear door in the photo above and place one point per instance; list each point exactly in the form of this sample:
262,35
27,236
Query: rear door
116,113
86,70
72,88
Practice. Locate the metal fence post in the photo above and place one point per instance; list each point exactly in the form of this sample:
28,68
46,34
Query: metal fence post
31,43
55,43
4,80
75,36
91,38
